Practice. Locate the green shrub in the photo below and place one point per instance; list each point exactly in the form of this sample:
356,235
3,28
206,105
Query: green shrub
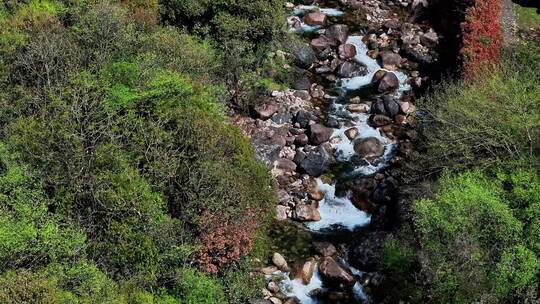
257,21
234,282
171,49
84,281
400,265
117,151
194,287
23,286
469,232
495,117
28,233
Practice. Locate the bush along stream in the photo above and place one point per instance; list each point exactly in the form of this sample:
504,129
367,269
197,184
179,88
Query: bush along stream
335,143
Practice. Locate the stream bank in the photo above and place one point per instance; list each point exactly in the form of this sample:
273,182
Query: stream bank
335,144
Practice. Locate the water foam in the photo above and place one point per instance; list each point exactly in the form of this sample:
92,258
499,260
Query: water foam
337,212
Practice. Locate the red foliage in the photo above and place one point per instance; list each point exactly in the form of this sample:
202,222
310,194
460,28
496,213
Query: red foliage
481,37
225,242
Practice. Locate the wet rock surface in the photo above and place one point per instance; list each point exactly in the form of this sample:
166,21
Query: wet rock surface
332,140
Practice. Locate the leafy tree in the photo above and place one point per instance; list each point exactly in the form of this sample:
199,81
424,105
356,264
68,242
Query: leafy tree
194,287
472,241
29,234
494,117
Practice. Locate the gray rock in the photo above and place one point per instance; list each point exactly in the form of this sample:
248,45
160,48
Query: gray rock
265,110
388,83
303,118
282,117
369,147
280,262
316,162
338,32
319,134
349,69
378,107
333,273
391,106
281,212
305,56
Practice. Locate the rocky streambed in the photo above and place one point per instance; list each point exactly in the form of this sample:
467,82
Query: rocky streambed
336,140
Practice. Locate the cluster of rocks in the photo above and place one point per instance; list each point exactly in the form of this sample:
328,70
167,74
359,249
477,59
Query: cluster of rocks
328,265
294,135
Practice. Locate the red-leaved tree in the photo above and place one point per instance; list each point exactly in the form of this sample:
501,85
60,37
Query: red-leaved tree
226,241
481,37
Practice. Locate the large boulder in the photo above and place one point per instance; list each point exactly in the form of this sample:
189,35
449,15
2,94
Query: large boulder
319,134
391,106
390,60
379,120
265,110
306,273
338,32
266,152
349,69
305,212
305,56
377,107
315,162
367,253
280,262
315,18
346,51
370,147
387,83
334,273
321,43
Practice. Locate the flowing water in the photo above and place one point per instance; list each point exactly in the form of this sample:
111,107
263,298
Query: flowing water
338,213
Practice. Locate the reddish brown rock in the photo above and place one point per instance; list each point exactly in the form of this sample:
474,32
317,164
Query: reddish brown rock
335,273
369,147
325,249
388,83
321,43
315,18
380,120
338,32
390,60
319,134
266,110
346,51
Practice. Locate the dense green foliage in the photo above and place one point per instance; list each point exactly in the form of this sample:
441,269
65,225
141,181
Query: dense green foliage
118,169
245,31
492,117
475,238
476,241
